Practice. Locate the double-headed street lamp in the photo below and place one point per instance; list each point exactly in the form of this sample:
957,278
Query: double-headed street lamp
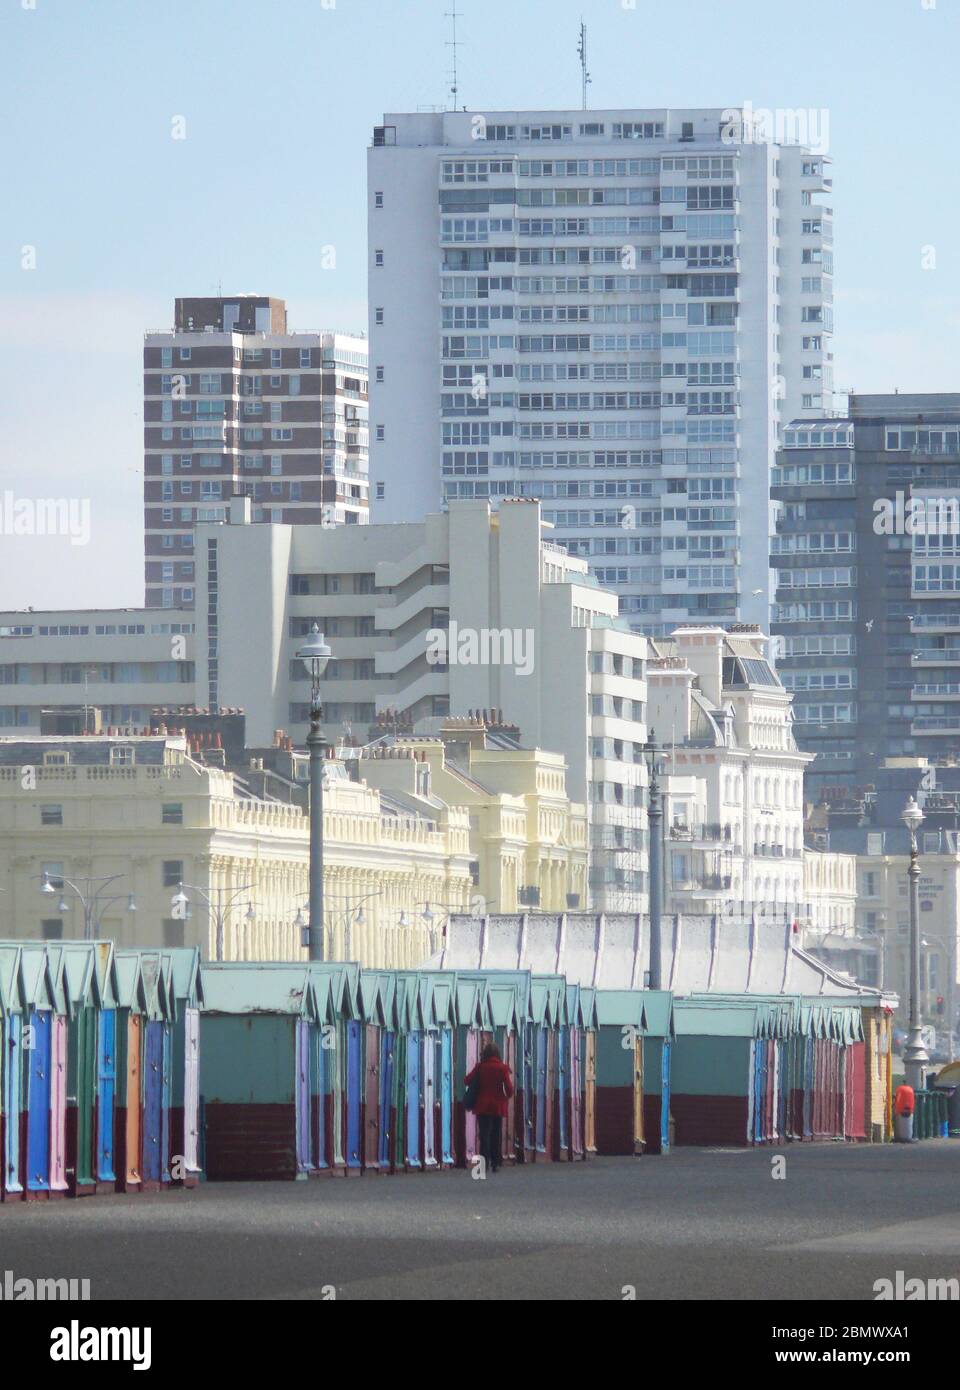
915,1057
351,916
316,654
90,896
219,909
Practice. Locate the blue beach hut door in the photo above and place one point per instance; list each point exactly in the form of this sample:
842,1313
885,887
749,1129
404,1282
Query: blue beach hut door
12,1079
106,1093
38,1101
153,1103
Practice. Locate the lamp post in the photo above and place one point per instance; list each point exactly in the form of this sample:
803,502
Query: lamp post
219,909
316,653
915,1058
90,898
655,835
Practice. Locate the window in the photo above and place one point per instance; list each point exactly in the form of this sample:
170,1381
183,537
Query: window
52,870
51,815
173,931
172,873
378,199
379,373
380,431
381,491
304,357
378,257
378,316
172,813
51,929
121,757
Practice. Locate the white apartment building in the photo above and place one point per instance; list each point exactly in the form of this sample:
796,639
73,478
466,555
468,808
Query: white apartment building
63,670
733,818
468,609
611,311
234,404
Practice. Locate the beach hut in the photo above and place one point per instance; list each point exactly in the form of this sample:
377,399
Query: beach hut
657,1045
342,1065
45,1068
156,1070
724,1076
444,1011
132,1013
90,988
11,1074
877,1025
389,1099
543,1069
255,1070
620,1060
556,1029
183,966
577,1034
588,999
416,1071
373,1011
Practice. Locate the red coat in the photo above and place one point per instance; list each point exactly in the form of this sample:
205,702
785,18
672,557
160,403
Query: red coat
494,1089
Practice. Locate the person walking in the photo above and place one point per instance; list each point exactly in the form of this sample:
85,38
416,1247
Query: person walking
494,1089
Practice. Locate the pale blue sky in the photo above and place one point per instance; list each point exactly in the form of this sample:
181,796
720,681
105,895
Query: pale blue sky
279,98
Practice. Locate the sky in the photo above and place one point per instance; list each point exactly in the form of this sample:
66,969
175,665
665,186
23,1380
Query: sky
277,99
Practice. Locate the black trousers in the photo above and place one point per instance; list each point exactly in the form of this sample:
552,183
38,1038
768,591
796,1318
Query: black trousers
490,1129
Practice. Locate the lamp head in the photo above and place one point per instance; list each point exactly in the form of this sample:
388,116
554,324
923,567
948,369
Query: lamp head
912,816
315,652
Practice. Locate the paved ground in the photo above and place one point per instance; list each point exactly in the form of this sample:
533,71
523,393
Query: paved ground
699,1223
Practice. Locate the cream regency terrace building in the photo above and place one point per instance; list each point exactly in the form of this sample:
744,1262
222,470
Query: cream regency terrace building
97,835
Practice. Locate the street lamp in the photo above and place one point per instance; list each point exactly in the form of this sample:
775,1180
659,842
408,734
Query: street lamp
316,654
655,835
90,897
218,909
353,915
915,1058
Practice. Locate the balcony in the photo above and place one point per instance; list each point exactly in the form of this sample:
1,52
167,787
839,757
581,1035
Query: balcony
936,691
935,622
704,885
937,656
709,833
931,724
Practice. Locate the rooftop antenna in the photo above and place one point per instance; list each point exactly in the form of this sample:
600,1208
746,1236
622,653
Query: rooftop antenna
453,16
585,77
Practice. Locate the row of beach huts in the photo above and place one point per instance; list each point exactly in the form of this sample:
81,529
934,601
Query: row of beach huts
134,1070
